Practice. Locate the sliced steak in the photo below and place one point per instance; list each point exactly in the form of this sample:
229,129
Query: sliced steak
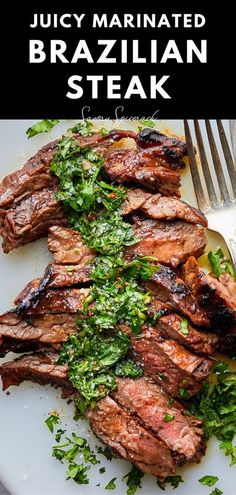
212,295
170,243
35,174
120,431
38,367
197,366
55,276
158,362
183,435
67,246
30,218
135,199
128,166
173,148
227,343
169,288
54,301
177,328
20,333
161,207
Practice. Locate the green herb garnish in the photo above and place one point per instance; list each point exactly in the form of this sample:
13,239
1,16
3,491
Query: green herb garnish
133,480
43,126
106,452
173,480
168,417
111,485
208,480
184,327
183,392
84,128
77,472
128,368
216,491
215,405
147,123
51,421
70,449
104,131
220,264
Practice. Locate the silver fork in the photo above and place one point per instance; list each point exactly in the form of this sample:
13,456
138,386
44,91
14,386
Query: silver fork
220,209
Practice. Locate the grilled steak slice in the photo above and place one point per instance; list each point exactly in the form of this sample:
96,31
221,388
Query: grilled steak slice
35,174
25,333
29,292
169,288
128,166
38,367
212,295
229,283
135,199
170,243
183,435
159,364
227,343
67,275
54,301
128,439
30,218
173,148
174,326
197,366
161,207
67,246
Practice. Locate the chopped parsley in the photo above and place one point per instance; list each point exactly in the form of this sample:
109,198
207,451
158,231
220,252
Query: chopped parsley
220,264
111,485
83,128
102,470
168,417
133,480
174,481
208,480
106,452
105,233
147,123
43,126
69,450
216,491
51,421
128,368
184,393
77,472
162,376
215,406
184,327
104,131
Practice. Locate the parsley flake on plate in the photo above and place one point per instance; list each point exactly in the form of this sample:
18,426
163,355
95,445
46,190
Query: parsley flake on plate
208,480
111,485
133,480
51,421
43,126
220,264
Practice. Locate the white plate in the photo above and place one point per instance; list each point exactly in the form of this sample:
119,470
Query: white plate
26,465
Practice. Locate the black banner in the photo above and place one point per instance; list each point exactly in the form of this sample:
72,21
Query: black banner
186,71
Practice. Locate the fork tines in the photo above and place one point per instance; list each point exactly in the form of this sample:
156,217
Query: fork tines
226,196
